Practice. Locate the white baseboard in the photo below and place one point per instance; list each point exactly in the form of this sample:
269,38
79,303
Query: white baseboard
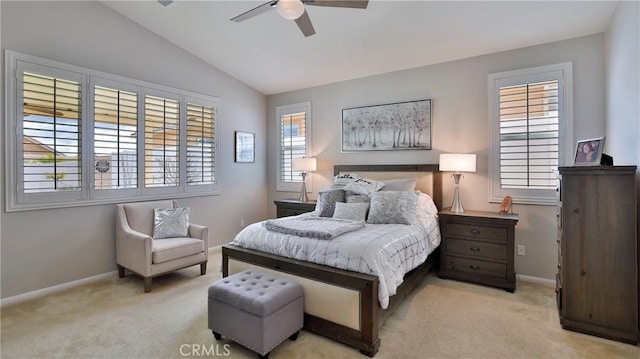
56,288
543,281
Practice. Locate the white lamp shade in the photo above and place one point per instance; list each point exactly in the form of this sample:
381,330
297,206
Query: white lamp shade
290,9
458,162
307,164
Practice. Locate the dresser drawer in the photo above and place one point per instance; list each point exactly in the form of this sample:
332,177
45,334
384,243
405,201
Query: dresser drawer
475,231
477,249
478,267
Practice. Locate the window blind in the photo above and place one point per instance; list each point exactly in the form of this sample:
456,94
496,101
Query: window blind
161,141
200,144
51,129
115,138
293,144
529,135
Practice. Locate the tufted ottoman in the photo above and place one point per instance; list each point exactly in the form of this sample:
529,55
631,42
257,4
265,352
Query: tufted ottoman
256,309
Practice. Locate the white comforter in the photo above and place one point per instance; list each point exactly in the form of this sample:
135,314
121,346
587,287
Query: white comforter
388,251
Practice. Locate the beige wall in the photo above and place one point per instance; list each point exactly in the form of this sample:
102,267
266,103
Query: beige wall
623,88
45,248
460,124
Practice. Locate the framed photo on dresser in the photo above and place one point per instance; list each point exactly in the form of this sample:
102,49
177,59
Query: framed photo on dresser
589,152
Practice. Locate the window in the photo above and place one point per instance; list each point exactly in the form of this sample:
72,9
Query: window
115,142
530,122
294,123
75,136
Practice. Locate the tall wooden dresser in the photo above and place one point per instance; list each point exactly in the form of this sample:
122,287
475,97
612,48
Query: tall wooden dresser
597,280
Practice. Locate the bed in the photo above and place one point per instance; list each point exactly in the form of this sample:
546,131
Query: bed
340,304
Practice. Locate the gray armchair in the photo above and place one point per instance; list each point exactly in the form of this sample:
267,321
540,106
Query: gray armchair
138,252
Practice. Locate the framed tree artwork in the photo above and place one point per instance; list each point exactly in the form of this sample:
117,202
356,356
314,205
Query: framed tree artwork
388,127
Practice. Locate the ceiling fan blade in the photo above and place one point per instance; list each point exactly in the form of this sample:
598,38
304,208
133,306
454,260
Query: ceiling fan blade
304,23
255,11
355,4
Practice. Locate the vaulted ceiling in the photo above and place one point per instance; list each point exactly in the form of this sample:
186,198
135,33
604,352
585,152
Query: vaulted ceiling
270,54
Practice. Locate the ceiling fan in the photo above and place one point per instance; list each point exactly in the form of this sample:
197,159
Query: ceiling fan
295,10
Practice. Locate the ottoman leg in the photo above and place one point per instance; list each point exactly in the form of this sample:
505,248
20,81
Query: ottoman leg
216,335
294,336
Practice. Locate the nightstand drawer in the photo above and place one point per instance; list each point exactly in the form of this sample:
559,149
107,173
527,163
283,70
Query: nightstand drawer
477,249
478,267
474,231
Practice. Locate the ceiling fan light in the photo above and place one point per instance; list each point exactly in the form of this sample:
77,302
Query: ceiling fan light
290,9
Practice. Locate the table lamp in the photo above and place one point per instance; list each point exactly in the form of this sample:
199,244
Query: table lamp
303,165
457,163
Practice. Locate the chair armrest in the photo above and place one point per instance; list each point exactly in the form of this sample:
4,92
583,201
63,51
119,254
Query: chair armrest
202,233
133,249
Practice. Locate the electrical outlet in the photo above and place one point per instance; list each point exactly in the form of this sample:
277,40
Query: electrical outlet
520,249
242,222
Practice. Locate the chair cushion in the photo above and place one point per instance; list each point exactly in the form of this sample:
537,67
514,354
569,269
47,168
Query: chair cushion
167,249
255,291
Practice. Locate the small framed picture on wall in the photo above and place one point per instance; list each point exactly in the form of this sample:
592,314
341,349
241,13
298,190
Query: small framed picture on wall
589,152
245,147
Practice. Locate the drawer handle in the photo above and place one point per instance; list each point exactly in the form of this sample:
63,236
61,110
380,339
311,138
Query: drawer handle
475,249
475,231
473,266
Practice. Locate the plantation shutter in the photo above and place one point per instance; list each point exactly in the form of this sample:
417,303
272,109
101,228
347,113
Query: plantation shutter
200,144
293,144
529,135
161,142
115,138
51,134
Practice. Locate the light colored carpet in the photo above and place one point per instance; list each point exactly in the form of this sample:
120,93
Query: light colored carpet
114,318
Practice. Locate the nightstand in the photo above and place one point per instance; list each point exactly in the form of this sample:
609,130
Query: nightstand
292,207
478,247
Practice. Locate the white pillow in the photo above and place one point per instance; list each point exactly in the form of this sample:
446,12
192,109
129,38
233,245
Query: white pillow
425,210
364,186
389,207
404,184
170,222
352,211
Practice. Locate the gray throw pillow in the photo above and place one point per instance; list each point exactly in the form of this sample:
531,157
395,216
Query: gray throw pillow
329,200
352,211
389,207
170,222
404,184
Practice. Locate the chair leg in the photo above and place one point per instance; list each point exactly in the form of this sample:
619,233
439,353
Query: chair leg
203,268
147,284
120,271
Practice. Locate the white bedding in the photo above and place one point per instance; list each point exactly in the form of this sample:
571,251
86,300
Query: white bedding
388,251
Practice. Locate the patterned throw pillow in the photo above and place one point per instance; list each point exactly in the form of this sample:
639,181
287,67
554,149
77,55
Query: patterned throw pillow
363,186
352,211
389,207
351,197
170,222
342,179
328,200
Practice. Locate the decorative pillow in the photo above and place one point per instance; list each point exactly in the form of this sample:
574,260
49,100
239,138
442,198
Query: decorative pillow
405,184
351,197
389,207
343,179
364,186
352,211
425,209
329,200
170,222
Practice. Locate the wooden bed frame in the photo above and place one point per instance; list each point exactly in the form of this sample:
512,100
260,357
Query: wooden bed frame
371,316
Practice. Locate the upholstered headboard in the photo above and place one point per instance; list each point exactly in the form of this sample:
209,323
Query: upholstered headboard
428,177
